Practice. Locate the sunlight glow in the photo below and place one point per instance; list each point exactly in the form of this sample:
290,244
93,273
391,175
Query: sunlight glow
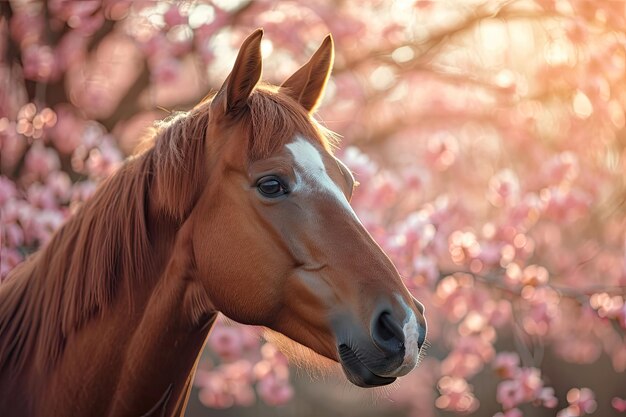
155,14
494,36
505,78
267,47
201,15
582,105
229,5
382,78
403,54
559,52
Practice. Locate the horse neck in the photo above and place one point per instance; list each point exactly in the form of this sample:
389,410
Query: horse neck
163,349
138,357
120,268
162,335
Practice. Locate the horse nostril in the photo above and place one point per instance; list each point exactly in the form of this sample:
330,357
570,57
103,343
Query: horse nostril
387,334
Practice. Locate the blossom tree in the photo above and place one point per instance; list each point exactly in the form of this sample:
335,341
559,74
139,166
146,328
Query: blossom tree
488,137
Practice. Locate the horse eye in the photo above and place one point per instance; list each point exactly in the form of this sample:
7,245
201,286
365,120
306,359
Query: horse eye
271,187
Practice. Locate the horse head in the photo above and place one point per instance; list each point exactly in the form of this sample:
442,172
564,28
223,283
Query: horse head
275,240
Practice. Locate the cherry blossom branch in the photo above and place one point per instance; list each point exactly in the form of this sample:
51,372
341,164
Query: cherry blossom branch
12,52
130,104
580,295
107,27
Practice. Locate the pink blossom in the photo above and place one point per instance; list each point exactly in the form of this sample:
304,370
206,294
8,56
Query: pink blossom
582,401
226,385
509,394
60,185
612,307
506,364
563,168
41,197
40,226
504,189
104,160
12,210
360,164
82,191
441,150
274,391
40,160
7,190
547,398
530,381
39,63
226,342
513,412
425,271
564,204
174,17
9,258
212,394
180,40
497,313
619,404
250,338
456,395
14,237
524,385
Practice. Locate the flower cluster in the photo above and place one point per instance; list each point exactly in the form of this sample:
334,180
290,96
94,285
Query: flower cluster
520,385
242,362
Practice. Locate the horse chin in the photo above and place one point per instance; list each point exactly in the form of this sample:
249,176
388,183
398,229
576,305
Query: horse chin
316,364
302,356
357,372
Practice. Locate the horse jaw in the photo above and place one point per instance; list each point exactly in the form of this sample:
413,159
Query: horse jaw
318,366
301,356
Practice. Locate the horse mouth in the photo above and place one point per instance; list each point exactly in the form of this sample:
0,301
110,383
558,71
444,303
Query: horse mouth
357,372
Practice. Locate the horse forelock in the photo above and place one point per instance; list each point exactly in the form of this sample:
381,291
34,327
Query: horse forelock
275,119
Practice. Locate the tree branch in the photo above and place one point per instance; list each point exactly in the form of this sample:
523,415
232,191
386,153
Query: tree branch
580,295
129,104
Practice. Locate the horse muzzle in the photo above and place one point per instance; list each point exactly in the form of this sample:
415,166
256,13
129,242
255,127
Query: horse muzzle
390,348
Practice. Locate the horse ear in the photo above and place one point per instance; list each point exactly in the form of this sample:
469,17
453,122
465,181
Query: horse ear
307,85
244,76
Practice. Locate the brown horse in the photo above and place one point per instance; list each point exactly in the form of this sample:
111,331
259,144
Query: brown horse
237,207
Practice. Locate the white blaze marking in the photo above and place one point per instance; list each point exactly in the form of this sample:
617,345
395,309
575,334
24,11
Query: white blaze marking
312,173
411,337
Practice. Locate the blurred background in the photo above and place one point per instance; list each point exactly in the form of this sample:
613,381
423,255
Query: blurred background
488,138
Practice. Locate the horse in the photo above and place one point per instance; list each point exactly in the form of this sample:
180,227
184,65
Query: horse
238,207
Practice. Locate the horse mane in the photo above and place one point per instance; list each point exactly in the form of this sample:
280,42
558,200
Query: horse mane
58,289
106,244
